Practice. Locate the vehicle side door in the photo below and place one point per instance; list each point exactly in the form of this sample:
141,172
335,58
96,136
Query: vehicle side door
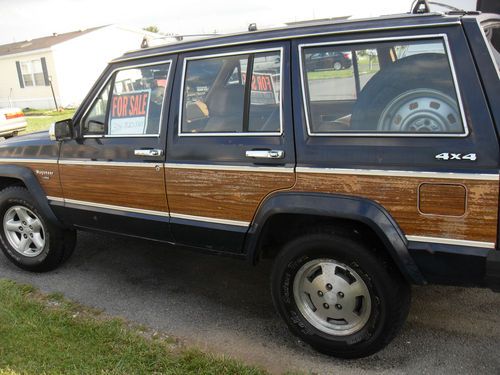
112,174
230,141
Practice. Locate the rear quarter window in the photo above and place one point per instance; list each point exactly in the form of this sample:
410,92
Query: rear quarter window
381,88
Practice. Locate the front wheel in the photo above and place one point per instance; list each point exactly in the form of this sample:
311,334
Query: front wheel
337,296
27,238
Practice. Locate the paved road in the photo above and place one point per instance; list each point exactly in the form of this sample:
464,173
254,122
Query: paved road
223,305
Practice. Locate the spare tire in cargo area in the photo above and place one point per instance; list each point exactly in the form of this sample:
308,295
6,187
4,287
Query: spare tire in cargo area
413,95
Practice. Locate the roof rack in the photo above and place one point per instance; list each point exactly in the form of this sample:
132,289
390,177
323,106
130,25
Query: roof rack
420,6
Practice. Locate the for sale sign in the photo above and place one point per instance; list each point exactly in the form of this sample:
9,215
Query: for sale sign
129,113
263,91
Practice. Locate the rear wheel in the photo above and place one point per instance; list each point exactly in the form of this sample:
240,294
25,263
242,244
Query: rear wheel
336,295
337,65
27,238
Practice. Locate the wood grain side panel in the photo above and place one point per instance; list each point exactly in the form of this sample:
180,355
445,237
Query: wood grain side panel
442,199
232,195
399,196
51,184
49,181
136,187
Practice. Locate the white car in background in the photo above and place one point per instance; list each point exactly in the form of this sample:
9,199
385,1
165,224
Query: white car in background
12,121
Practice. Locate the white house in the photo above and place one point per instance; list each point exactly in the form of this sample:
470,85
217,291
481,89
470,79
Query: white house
68,63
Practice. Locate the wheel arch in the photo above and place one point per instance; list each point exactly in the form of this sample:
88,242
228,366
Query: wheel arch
15,175
343,212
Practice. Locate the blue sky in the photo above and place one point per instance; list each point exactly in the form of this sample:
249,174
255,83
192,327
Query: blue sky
27,19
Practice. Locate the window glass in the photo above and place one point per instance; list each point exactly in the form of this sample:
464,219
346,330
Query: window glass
38,73
214,94
492,33
26,72
137,100
385,87
94,121
265,93
135,104
32,73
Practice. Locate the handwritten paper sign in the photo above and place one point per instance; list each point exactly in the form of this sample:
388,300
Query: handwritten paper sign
129,113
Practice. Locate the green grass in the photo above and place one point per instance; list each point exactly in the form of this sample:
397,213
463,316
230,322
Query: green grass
45,334
40,120
45,112
344,73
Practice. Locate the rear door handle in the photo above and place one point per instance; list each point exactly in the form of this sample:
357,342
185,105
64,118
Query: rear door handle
148,152
265,154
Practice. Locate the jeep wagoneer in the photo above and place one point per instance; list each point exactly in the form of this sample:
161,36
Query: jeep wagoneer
356,179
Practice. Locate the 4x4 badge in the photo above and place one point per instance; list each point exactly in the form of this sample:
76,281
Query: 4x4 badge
454,156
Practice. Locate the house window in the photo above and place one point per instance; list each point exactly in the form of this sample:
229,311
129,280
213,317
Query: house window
32,73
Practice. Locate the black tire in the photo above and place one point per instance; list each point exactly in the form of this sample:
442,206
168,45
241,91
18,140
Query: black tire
390,293
59,243
423,71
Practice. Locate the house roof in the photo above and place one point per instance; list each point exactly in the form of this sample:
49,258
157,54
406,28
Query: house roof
42,43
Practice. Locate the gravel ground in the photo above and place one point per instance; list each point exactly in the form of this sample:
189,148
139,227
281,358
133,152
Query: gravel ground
223,305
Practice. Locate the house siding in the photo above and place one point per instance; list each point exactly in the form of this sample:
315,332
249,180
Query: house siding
11,93
73,66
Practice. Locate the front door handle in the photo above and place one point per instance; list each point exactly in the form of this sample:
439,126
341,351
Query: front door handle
148,152
265,154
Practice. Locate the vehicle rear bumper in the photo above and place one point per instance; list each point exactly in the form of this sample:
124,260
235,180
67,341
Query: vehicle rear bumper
457,265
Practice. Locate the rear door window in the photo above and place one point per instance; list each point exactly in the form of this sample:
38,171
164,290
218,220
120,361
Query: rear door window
218,99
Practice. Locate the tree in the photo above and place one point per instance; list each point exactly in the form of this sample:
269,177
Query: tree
152,29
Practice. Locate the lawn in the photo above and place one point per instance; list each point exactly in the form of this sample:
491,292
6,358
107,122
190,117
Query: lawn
45,334
41,120
345,73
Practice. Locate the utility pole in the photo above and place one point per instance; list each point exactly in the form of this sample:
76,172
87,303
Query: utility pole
53,95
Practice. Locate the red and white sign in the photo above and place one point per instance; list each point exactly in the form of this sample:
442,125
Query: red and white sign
262,88
129,113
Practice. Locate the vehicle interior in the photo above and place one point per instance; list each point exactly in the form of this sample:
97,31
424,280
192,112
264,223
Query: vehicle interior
367,97
150,79
215,98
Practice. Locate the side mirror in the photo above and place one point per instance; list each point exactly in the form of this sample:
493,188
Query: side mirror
61,130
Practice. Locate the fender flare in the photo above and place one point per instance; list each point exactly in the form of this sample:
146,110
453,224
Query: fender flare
337,206
26,175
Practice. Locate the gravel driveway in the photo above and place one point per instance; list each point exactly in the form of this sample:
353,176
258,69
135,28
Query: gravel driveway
224,306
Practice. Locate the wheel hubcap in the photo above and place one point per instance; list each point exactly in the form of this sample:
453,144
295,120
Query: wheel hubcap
421,111
332,297
24,231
